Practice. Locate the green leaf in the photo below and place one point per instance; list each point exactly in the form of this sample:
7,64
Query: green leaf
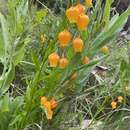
85,70
106,15
5,103
18,56
22,9
2,49
6,79
110,32
35,59
15,120
5,33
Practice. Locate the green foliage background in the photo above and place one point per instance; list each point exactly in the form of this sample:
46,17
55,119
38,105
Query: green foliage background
26,76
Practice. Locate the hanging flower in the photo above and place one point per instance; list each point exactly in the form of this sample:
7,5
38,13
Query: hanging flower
53,103
49,112
78,45
82,22
64,38
43,100
105,50
63,63
114,105
53,60
48,106
72,14
81,8
120,99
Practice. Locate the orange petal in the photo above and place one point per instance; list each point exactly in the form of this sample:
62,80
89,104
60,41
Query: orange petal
43,100
49,114
53,103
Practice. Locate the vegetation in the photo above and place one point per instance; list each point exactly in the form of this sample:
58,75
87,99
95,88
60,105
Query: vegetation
65,70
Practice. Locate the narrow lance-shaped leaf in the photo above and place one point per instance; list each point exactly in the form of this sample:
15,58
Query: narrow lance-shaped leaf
5,33
110,32
106,16
6,79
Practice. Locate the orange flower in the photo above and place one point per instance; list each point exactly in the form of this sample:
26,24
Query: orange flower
85,60
49,112
78,45
82,22
72,14
89,3
53,103
114,105
64,38
105,50
63,63
48,106
120,99
53,59
43,100
81,8
73,76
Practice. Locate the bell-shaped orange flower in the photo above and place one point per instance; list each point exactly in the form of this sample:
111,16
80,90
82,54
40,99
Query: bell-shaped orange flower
64,38
85,60
105,50
114,105
81,8
53,59
63,63
89,3
53,103
78,45
82,22
72,14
